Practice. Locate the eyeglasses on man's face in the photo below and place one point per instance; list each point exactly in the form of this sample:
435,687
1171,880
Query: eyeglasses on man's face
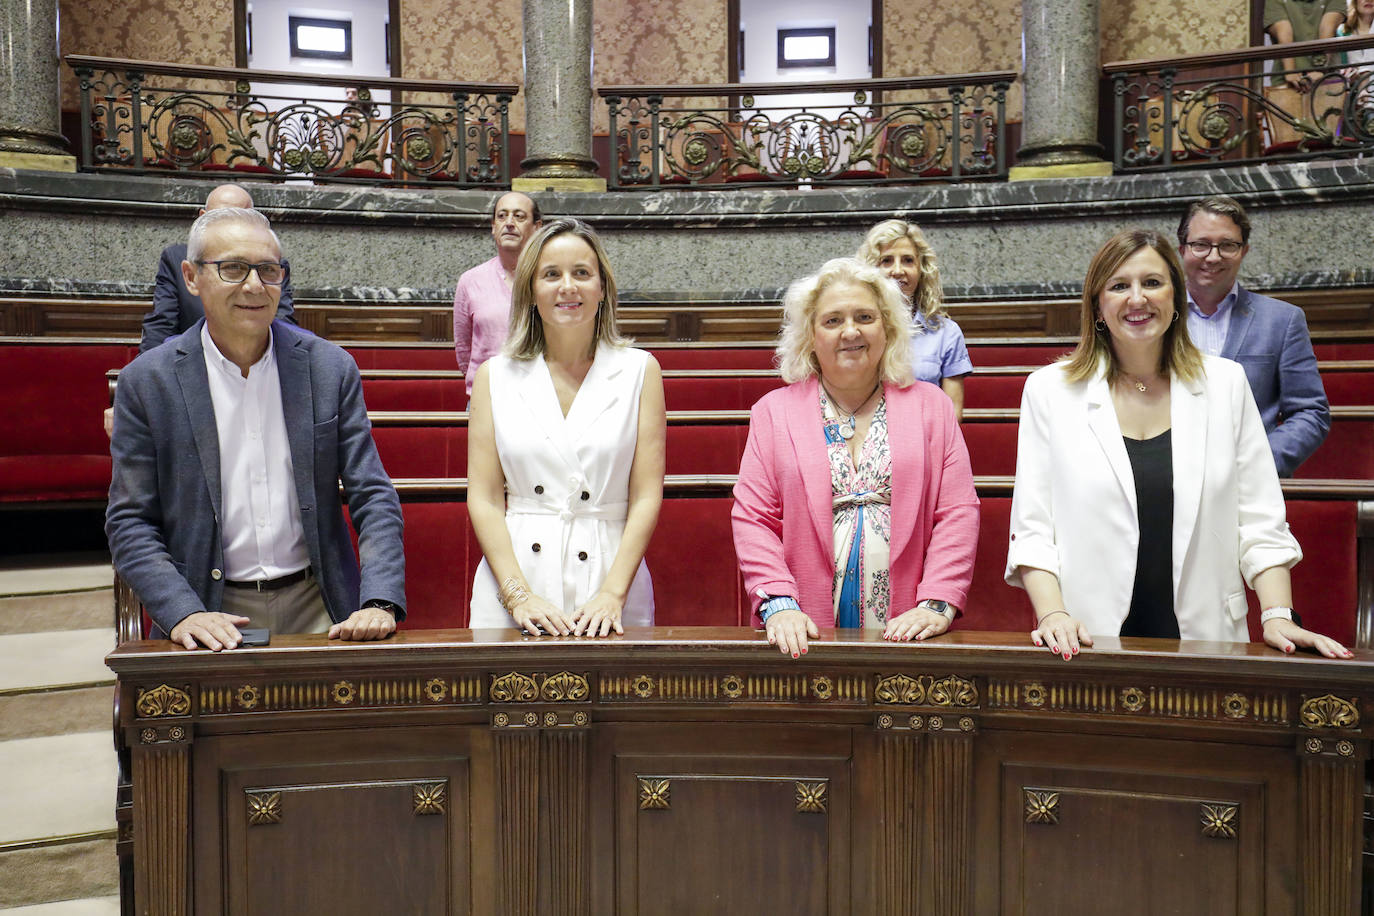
270,273
1227,249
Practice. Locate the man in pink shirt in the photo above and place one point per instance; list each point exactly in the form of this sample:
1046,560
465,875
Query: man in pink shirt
481,304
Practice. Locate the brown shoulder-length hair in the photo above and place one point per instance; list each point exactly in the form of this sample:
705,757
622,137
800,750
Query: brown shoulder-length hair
526,337
928,299
1094,351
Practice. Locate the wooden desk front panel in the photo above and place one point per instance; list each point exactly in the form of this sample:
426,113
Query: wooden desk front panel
696,771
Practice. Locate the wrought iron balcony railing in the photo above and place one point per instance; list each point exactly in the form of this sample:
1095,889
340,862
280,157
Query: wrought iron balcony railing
150,117
878,131
1243,106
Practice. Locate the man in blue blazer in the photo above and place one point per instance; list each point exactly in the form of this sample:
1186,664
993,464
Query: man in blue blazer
1266,336
175,308
231,441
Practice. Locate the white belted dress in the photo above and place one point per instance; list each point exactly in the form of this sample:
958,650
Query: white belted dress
567,481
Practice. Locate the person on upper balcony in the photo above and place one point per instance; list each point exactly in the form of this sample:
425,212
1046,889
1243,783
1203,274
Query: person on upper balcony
1145,497
938,353
1287,21
1266,336
481,302
1359,23
855,505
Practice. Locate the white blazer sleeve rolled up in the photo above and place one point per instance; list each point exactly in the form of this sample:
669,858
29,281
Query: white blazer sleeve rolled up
1074,506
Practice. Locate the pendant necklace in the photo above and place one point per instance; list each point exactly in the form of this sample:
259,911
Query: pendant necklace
847,426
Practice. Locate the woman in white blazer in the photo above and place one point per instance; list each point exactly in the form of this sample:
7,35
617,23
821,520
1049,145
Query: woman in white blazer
1146,496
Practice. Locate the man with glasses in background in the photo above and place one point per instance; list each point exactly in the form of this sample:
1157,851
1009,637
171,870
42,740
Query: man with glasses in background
230,443
1266,336
175,308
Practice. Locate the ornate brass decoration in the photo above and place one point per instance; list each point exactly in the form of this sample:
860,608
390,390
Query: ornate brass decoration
565,687
148,735
344,692
653,793
531,719
936,723
580,718
514,688
429,797
1236,705
176,733
822,688
924,690
966,724
643,686
900,689
1219,820
732,686
1345,748
1329,711
247,696
163,700
1042,807
953,691
263,808
811,797
1314,745
500,720
1132,699
916,722
550,718
435,688
1035,695
884,721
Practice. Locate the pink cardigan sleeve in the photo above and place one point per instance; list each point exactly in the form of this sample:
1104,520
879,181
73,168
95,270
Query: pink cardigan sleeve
756,518
953,545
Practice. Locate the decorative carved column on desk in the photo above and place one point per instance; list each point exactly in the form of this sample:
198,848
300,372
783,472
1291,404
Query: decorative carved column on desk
541,772
558,97
161,760
1331,798
1059,123
30,137
926,771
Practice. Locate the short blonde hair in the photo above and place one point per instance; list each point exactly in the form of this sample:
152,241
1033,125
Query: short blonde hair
796,350
1094,351
526,337
928,300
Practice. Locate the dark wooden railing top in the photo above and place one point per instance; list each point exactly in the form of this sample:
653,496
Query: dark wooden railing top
990,77
1241,55
721,645
199,71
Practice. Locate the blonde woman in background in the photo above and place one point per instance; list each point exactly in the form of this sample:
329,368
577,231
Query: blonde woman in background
938,354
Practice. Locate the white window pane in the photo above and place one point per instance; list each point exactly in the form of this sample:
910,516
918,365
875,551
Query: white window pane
806,47
320,38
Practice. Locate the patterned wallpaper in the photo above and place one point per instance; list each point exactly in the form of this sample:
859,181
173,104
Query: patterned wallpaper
197,32
648,41
467,40
925,37
1134,29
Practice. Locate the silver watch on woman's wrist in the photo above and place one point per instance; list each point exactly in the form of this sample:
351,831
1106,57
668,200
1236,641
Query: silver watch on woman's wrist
939,607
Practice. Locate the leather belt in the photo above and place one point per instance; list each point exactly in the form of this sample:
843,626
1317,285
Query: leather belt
271,585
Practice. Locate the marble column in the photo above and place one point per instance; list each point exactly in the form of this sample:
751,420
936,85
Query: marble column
1060,41
558,97
29,128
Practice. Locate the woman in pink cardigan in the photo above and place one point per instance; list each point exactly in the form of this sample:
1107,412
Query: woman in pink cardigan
855,505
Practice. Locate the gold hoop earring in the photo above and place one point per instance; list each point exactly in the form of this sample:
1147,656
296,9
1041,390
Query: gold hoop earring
1100,324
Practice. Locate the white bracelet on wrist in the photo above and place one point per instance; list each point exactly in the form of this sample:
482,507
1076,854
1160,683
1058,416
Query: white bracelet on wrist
1274,613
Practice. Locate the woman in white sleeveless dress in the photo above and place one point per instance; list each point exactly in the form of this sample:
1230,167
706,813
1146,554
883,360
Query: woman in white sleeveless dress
565,452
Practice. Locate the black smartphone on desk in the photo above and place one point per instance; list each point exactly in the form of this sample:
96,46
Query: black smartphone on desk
255,636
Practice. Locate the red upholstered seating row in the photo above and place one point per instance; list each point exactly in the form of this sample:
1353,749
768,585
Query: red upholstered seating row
441,451
696,582
54,446
691,559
